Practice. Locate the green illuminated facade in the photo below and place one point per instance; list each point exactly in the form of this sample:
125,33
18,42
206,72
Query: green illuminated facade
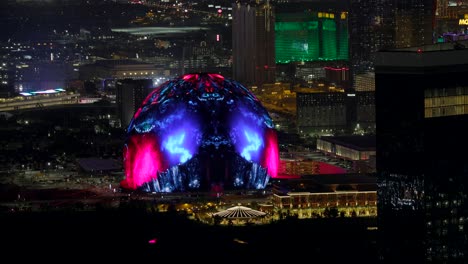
297,41
311,37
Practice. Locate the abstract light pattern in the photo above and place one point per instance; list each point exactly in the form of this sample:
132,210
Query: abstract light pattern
174,144
200,132
271,159
142,160
253,144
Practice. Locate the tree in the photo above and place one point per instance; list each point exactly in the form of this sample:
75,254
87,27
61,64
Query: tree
217,219
331,212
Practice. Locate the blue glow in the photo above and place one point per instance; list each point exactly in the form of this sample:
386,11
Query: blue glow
247,131
195,183
254,142
174,144
144,128
216,141
238,182
211,96
158,123
253,116
49,91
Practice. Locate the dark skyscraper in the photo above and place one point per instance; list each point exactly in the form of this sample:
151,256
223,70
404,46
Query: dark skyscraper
422,128
130,94
387,24
253,43
362,38
404,23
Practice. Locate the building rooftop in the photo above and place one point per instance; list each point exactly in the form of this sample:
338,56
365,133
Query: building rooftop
346,178
434,55
326,183
160,31
354,142
113,63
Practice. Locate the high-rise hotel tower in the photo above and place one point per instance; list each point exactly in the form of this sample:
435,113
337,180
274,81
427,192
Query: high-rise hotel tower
422,165
253,42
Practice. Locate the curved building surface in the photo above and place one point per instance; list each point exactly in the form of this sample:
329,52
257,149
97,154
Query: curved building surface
200,132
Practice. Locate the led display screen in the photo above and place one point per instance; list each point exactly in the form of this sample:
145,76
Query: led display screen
200,132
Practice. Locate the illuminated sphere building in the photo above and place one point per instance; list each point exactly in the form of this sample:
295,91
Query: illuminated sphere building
200,132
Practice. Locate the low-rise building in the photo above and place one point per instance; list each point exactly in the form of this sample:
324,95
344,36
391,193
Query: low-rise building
349,195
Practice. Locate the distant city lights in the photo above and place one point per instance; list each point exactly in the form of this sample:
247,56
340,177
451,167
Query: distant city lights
49,91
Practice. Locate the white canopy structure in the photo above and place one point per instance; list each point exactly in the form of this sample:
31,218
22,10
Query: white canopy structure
239,212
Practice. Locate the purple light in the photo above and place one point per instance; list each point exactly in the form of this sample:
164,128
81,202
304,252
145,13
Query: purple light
253,144
174,144
248,134
180,142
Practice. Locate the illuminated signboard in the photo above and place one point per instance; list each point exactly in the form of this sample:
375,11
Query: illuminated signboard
464,20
